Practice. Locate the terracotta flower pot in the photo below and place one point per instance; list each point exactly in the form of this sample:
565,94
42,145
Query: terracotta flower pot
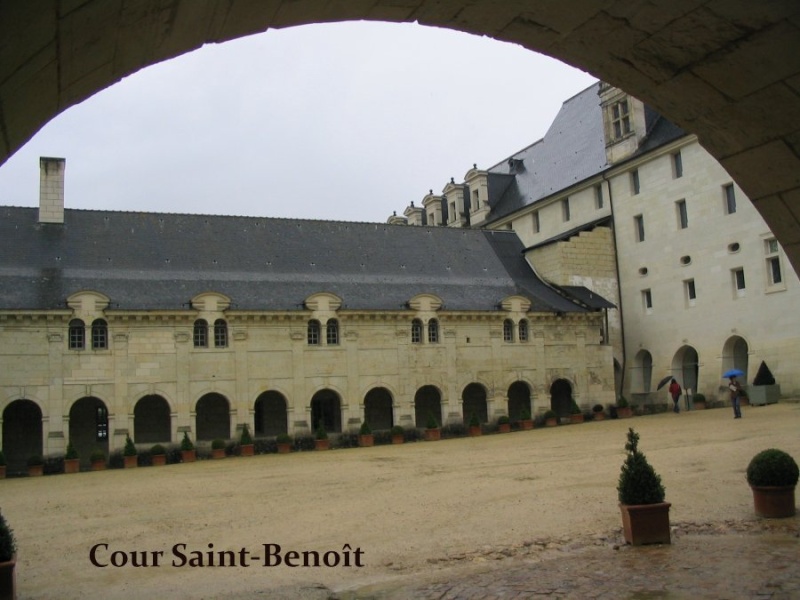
188,456
35,470
599,416
217,453
551,422
159,460
131,462
247,449
474,430
72,465
99,465
433,435
774,502
624,413
8,579
366,440
504,428
646,523
322,444
578,418
526,424
284,448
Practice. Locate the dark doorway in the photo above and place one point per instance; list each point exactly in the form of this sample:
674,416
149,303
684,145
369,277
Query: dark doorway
427,403
561,397
378,409
519,401
22,434
326,411
88,427
270,415
213,417
151,421
474,403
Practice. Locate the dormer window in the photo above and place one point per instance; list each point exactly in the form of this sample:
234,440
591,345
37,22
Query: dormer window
200,334
99,334
433,331
220,333
508,330
77,335
312,333
416,331
620,119
332,332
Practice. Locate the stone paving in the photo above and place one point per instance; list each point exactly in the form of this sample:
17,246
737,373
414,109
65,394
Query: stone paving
730,560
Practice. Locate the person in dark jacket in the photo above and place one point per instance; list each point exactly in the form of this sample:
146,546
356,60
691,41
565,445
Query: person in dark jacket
675,391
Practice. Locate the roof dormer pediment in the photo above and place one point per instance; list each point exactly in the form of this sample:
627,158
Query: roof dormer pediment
323,302
211,302
516,304
88,303
425,303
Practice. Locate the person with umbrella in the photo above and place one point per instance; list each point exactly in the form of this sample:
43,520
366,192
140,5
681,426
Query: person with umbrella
736,391
675,391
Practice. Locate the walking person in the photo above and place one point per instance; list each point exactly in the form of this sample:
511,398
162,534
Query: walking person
736,397
675,391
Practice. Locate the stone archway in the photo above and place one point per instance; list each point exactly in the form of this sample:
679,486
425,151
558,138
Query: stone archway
88,427
661,52
734,355
519,401
378,409
427,403
686,364
474,403
213,418
22,434
151,420
561,397
326,411
271,417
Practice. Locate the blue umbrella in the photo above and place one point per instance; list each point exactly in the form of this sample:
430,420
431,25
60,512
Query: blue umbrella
733,373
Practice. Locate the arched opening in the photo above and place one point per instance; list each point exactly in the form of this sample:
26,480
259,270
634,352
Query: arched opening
22,434
519,401
88,427
734,355
686,366
378,409
642,373
561,397
326,411
213,418
151,420
427,404
271,416
474,403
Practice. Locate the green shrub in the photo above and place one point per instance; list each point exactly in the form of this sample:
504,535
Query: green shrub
574,409
97,455
218,444
638,481
8,543
186,443
598,408
622,402
398,430
321,434
525,415
699,398
550,414
246,439
71,452
35,461
772,467
503,420
474,421
283,438
130,448
365,430
432,422
157,450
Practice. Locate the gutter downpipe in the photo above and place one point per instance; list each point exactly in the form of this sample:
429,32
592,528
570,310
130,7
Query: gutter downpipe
619,284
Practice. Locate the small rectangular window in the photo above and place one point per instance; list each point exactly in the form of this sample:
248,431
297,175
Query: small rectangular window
730,199
677,165
536,224
774,272
647,300
638,222
738,282
565,209
635,187
691,292
598,197
683,217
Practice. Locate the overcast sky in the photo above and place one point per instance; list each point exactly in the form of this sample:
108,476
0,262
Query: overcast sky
347,121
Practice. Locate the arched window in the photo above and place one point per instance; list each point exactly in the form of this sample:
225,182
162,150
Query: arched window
332,332
508,330
200,334
220,333
77,335
433,331
523,330
416,331
99,334
313,332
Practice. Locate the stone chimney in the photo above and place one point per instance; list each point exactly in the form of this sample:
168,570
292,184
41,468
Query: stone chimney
51,190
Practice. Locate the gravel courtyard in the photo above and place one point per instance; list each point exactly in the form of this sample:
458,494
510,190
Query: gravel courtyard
397,510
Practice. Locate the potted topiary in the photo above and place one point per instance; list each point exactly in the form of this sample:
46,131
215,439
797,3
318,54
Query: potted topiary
503,424
246,442
525,420
645,515
130,454
597,412
188,451
158,455
72,463
8,561
35,466
550,418
2,465
365,437
321,441
623,408
218,448
98,460
284,443
575,414
432,431
398,434
772,475
764,389
474,425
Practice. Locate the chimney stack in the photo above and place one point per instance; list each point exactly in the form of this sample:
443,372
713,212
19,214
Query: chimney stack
51,190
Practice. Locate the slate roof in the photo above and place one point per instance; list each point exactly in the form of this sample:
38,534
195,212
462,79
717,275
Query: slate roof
572,150
153,261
